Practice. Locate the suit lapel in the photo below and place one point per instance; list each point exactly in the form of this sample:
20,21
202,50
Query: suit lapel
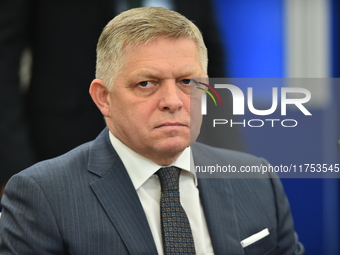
217,199
119,198
218,205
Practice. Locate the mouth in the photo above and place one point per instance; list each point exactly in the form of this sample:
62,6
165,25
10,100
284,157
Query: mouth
171,124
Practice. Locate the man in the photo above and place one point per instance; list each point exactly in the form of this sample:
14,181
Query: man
32,119
106,196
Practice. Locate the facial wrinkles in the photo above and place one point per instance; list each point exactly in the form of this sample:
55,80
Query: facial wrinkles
136,115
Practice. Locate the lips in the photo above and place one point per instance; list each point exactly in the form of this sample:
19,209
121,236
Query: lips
171,124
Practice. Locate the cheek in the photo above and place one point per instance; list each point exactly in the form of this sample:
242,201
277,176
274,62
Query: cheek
195,106
195,120
122,104
188,103
195,114
119,111
137,115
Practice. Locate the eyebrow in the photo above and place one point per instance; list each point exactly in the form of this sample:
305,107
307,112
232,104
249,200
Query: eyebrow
147,74
155,74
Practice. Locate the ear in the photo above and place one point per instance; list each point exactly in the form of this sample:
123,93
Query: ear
99,94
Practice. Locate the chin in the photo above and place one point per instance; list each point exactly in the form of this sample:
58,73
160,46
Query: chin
174,146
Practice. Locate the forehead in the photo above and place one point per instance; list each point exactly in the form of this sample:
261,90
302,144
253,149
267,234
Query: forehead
161,42
181,54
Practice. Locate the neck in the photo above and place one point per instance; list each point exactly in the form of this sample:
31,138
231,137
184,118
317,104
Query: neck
165,160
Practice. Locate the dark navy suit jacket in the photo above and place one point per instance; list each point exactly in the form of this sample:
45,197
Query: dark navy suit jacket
84,202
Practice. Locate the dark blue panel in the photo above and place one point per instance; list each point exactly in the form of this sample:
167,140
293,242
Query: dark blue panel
280,145
306,200
299,145
253,34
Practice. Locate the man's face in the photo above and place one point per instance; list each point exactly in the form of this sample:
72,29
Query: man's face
152,96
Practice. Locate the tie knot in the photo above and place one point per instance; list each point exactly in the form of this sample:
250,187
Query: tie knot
169,177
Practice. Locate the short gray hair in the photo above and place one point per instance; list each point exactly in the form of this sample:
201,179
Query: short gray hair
136,27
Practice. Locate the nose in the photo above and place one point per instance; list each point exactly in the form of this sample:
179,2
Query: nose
171,97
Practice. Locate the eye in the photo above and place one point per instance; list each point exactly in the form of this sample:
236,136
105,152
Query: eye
188,81
144,83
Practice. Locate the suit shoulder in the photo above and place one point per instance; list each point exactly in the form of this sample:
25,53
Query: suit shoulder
74,159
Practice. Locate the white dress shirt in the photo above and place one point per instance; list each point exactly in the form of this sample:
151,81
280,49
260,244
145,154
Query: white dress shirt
142,173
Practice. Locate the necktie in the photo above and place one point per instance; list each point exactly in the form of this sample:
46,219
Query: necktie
176,232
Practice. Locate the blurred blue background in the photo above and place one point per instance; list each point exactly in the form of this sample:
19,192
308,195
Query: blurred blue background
299,39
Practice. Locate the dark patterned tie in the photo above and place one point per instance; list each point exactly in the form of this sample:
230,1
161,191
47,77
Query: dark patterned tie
176,231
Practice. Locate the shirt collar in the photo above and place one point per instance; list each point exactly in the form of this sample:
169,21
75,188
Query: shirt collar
140,169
